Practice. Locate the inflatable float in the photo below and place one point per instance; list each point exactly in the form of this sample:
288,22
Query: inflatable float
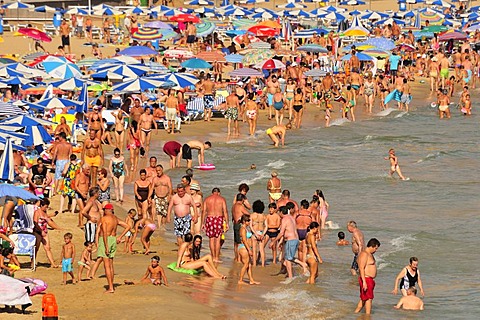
206,167
173,266
37,285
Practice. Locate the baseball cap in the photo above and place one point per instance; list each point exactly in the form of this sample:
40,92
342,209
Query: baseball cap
108,206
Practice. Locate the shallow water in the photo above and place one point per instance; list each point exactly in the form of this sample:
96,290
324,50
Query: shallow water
432,216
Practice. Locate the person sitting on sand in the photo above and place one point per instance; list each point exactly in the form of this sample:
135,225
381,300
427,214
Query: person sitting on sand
154,274
341,239
411,301
185,259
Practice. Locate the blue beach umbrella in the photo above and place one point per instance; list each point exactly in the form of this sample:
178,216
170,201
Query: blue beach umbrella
381,43
199,3
374,16
136,10
69,84
18,5
137,51
17,80
182,80
352,3
205,28
45,9
138,85
195,63
126,71
308,33
24,121
359,55
291,5
61,68
355,13
17,192
333,16
234,58
57,103
264,15
10,72
7,163
83,99
9,109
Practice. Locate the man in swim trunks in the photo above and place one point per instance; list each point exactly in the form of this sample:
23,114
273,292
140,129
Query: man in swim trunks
195,144
65,33
238,210
288,230
443,103
272,86
274,187
174,150
406,95
181,203
61,156
92,155
172,110
146,124
162,192
444,65
191,33
286,199
208,88
107,242
357,244
93,212
272,228
215,214
368,272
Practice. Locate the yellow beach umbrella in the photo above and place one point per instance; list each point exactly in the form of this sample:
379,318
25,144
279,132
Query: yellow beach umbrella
356,33
270,24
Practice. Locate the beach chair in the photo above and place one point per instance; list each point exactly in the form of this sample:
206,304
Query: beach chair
50,29
96,33
7,27
24,246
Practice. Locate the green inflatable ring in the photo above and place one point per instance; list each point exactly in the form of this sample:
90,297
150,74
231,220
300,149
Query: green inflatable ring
173,266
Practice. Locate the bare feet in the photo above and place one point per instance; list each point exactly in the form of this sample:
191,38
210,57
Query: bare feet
110,291
254,282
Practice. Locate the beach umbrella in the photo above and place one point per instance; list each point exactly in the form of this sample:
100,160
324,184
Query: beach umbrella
185,17
309,33
156,67
260,45
36,90
441,3
258,55
35,34
452,35
172,13
291,5
45,9
334,16
271,64
160,8
195,63
9,190
16,137
27,71
356,32
237,12
355,13
57,103
7,163
434,29
83,99
262,31
9,109
352,3
205,28
315,73
137,51
157,25
473,28
101,6
107,12
24,121
243,23
87,62
199,3
69,84
234,58
380,43
209,12
313,48
452,23
37,135
178,53
246,72
300,13
60,67
83,12
390,21
18,5
211,56
10,72
359,55
147,34
264,15
405,47
377,53
182,80
138,85
17,80
135,10
433,17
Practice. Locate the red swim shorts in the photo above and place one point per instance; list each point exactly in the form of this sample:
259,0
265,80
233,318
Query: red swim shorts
214,226
366,294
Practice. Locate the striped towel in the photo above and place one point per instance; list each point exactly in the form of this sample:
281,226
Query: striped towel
197,104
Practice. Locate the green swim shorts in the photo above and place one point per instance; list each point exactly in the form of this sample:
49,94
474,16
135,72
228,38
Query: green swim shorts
444,73
112,247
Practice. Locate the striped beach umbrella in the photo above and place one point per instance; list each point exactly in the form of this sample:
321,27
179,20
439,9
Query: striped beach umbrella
271,64
9,109
309,33
377,53
136,10
205,28
211,56
138,85
60,68
157,25
291,5
57,103
87,62
182,80
246,72
256,56
137,51
260,45
7,163
234,58
199,3
147,34
313,48
68,84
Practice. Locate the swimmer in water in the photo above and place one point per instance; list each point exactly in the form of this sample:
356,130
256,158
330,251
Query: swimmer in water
394,167
253,166
341,239
411,301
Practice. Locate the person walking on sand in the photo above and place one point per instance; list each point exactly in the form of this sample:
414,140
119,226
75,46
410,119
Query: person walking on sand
181,203
214,216
358,244
368,272
394,167
107,242
409,277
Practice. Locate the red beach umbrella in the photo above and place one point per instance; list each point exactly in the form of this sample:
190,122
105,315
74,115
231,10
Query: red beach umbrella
185,17
35,34
262,31
271,64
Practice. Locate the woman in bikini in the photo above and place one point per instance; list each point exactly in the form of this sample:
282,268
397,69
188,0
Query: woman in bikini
258,226
42,220
143,191
95,122
303,220
369,92
313,257
298,102
245,251
104,187
278,103
383,88
251,109
289,95
148,228
119,130
133,145
118,173
186,258
242,97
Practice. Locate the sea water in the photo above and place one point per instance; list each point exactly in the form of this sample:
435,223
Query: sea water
433,216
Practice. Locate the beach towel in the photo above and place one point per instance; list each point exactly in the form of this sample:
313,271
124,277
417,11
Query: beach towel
14,292
173,266
24,218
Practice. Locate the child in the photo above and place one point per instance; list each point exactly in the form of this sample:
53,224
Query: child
9,267
272,227
394,167
68,256
148,228
130,220
154,274
341,239
86,260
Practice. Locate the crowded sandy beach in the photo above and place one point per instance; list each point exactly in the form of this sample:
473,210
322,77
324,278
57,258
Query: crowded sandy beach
240,161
